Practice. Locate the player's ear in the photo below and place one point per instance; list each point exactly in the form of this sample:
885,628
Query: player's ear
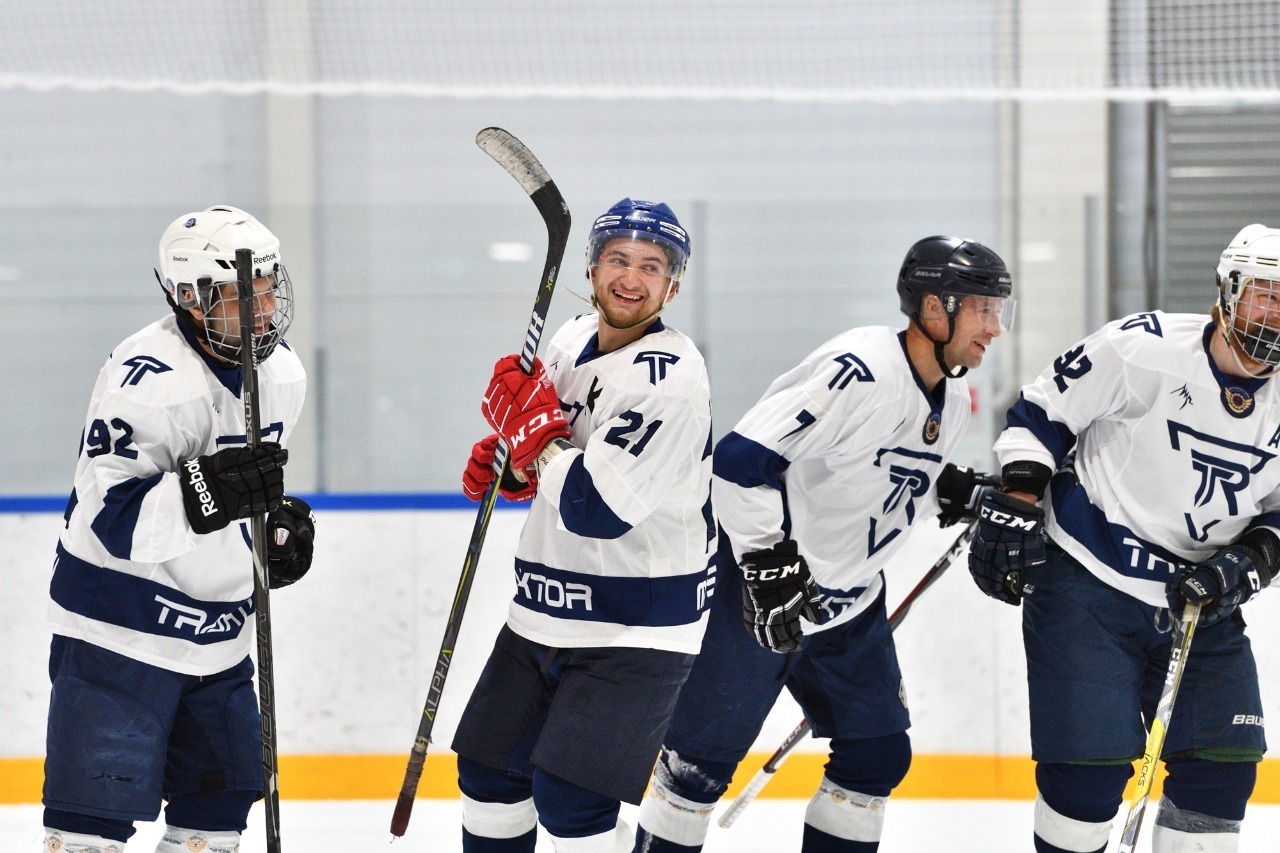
931,307
671,294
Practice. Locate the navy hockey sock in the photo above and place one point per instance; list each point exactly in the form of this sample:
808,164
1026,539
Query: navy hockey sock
520,844
83,824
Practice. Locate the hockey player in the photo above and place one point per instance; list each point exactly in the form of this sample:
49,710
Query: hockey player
1163,432
815,489
152,586
613,441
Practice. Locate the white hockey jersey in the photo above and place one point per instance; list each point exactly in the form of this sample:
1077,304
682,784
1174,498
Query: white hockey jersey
841,455
616,550
1165,458
130,574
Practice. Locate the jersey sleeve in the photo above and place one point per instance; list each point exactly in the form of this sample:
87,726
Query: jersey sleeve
127,478
630,464
1085,384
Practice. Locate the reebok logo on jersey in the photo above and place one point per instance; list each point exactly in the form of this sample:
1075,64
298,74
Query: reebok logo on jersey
1248,720
195,479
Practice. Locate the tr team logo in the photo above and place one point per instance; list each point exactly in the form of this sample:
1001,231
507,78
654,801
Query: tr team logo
1225,469
907,481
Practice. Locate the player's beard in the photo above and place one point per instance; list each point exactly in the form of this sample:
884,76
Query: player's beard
622,325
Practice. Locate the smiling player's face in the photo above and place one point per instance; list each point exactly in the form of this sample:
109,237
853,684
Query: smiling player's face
630,282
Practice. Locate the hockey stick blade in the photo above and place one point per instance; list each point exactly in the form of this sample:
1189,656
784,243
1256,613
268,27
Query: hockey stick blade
1179,649
800,732
519,162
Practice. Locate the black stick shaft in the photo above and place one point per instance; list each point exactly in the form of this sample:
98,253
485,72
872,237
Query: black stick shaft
520,163
246,299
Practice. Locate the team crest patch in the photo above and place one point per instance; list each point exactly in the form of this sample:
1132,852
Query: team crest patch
1237,401
932,428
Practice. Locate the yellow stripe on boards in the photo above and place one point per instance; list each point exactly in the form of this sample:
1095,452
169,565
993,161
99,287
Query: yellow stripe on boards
378,777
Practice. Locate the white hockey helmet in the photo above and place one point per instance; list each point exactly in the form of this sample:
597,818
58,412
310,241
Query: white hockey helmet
198,255
1251,264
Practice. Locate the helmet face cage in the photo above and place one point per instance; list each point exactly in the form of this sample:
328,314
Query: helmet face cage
272,309
1249,293
1256,328
197,269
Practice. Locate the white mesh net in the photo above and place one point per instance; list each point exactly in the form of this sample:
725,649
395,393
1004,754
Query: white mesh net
794,50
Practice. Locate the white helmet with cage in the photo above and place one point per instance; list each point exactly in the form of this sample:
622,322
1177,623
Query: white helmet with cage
198,262
1249,274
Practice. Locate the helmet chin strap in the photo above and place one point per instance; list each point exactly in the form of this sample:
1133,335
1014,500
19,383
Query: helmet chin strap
938,346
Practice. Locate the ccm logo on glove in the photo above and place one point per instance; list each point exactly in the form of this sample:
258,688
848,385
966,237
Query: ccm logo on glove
1013,522
771,574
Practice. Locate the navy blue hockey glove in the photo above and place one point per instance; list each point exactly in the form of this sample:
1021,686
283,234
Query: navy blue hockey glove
960,491
1009,540
232,484
777,590
1221,583
291,536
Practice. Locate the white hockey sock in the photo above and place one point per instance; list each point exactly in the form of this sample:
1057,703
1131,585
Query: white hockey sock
669,816
498,820
60,841
846,814
617,840
1068,833
179,840
1182,831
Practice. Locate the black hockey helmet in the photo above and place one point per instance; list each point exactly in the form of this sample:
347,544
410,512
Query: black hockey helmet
950,265
952,268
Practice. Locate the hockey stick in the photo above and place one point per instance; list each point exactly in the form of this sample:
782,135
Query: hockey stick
520,163
764,774
258,539
1180,648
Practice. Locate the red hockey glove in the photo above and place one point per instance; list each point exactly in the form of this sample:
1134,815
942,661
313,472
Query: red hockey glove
479,474
524,409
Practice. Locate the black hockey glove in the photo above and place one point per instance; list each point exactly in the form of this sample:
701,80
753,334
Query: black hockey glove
232,484
960,491
1009,540
291,536
776,591
1221,583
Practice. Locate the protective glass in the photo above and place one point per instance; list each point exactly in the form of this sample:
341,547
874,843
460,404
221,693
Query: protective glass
1255,319
652,260
272,309
992,310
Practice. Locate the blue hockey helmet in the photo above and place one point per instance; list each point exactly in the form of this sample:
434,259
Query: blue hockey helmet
953,266
642,220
